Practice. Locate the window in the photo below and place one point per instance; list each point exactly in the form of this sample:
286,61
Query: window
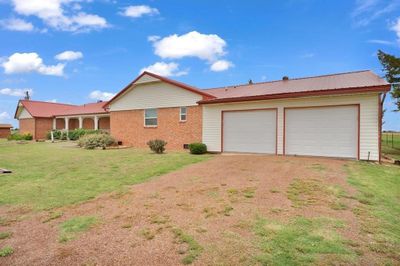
150,117
183,114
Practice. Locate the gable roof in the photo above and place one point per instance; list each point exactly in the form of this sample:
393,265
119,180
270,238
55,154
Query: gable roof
164,79
48,109
349,82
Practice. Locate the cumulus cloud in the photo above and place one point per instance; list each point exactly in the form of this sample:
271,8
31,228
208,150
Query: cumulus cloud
139,11
221,65
16,24
101,95
30,62
396,28
53,14
15,92
165,69
69,56
4,116
193,44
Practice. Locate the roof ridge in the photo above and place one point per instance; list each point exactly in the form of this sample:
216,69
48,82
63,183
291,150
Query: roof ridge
300,78
49,102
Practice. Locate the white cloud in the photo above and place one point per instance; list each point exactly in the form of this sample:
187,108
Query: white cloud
69,56
153,38
139,11
193,44
52,101
396,28
52,13
4,116
221,65
101,95
367,11
16,24
307,55
30,62
165,69
15,92
380,42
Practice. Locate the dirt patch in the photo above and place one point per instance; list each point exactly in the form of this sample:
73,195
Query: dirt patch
213,203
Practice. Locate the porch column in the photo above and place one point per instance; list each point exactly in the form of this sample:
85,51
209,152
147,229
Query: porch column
96,122
66,126
54,123
80,122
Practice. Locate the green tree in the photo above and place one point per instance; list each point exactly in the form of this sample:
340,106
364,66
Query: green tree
391,67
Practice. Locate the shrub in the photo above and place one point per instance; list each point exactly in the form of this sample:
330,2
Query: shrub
157,145
197,148
6,251
17,136
99,140
72,134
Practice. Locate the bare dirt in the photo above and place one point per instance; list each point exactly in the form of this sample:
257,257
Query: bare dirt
212,201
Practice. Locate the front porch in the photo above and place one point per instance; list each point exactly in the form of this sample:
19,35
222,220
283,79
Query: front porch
95,122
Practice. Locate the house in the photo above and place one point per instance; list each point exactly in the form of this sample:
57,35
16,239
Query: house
38,118
5,130
334,115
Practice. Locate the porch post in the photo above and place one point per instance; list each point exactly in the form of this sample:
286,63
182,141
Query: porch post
66,126
96,122
54,123
80,122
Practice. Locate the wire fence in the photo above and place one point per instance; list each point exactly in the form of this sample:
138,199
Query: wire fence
391,139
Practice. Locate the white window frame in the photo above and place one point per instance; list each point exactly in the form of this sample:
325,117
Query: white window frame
180,114
152,117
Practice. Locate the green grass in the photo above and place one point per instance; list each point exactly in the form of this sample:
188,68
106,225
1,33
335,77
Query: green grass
379,209
4,235
301,241
194,248
389,148
6,251
49,175
70,228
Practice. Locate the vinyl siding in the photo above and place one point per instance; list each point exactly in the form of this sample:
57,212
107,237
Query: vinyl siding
24,114
155,95
369,129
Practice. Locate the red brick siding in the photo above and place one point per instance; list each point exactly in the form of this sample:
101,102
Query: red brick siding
128,127
27,125
104,123
88,123
60,123
43,125
4,132
73,123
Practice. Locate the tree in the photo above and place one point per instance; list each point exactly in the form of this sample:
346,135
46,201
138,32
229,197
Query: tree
391,67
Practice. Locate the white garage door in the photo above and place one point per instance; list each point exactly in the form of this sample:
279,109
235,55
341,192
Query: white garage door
249,131
323,131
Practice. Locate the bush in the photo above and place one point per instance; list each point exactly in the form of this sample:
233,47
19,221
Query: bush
197,148
99,140
157,145
17,136
73,134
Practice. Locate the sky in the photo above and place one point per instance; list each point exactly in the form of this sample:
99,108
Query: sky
80,51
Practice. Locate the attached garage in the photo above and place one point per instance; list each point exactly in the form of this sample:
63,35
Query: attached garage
250,131
330,131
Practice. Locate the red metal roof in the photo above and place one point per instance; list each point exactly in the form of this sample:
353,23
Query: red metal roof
48,109
326,84
6,126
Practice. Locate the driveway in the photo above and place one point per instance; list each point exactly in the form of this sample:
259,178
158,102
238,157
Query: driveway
210,201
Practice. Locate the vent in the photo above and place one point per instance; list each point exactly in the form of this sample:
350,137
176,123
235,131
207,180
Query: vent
285,78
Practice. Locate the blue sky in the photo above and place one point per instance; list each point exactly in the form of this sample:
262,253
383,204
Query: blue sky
78,51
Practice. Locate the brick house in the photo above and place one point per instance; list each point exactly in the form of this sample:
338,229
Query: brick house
5,130
334,115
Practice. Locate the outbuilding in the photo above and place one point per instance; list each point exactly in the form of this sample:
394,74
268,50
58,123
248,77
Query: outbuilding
5,130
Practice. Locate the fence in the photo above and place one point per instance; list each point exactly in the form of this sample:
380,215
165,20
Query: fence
391,139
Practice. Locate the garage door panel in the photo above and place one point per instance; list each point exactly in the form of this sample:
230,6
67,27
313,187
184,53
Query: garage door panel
324,131
249,131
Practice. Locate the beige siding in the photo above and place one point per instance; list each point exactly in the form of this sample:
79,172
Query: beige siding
24,114
155,95
369,132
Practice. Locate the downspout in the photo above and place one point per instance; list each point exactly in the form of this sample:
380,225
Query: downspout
381,98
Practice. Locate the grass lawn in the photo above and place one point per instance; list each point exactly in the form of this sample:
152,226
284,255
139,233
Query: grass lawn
389,147
48,175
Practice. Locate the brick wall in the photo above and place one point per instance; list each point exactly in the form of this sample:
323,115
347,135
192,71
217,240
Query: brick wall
104,123
88,123
43,125
4,132
128,127
27,125
60,123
